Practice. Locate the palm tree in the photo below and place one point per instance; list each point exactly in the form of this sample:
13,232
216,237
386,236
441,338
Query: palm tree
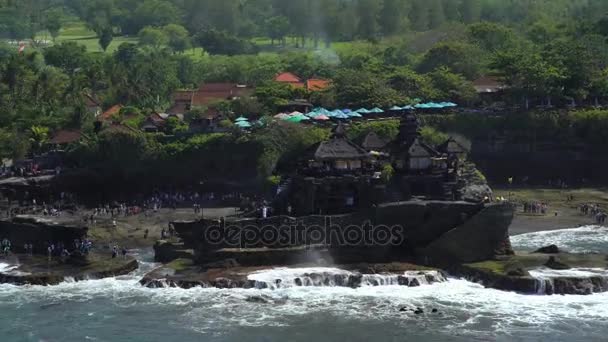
39,136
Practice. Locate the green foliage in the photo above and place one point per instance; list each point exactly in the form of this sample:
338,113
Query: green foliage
154,37
105,38
432,136
387,129
387,173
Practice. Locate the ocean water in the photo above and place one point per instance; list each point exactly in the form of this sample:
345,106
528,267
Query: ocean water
119,309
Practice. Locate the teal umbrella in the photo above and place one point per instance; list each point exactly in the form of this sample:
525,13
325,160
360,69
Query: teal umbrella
354,115
296,119
376,110
240,118
242,124
396,108
362,111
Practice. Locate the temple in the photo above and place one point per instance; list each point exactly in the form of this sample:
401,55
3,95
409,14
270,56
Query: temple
338,176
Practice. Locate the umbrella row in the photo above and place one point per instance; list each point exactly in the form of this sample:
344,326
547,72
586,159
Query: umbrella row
322,114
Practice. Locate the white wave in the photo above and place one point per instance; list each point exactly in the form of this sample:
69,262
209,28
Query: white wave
571,273
587,239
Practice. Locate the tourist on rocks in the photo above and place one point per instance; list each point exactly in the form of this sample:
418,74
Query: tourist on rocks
6,246
124,252
114,252
49,252
146,232
31,249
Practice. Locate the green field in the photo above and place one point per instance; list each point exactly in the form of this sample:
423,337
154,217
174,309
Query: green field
77,32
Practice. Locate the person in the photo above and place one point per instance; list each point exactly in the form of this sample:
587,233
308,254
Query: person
31,249
114,252
163,234
124,252
49,251
114,223
146,232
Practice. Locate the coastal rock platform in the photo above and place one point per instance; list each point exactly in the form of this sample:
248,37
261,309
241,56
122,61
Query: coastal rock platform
184,274
562,273
38,270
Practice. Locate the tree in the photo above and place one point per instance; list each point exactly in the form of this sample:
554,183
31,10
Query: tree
356,88
470,10
154,37
461,58
367,11
53,22
39,136
411,84
276,28
105,38
154,13
178,37
419,15
436,15
67,55
391,17
491,36
449,85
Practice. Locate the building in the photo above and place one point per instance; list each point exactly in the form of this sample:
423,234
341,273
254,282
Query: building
490,89
110,113
206,96
290,79
338,176
66,137
312,84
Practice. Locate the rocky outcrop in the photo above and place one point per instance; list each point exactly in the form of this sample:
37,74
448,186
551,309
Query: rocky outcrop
483,237
165,251
92,270
39,231
422,226
551,249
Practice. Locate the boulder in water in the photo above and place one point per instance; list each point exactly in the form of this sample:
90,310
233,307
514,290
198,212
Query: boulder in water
551,249
554,264
414,283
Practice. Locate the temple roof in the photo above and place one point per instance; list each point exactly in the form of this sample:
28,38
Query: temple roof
451,146
372,142
337,147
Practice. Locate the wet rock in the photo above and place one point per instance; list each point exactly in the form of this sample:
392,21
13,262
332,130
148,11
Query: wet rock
298,281
554,264
517,272
403,281
223,283
419,311
354,281
414,283
403,309
435,311
551,249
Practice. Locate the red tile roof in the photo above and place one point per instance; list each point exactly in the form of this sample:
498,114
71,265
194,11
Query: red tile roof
213,92
287,77
65,137
107,115
317,84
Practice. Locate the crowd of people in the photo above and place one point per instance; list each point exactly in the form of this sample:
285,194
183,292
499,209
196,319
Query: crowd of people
595,211
536,208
